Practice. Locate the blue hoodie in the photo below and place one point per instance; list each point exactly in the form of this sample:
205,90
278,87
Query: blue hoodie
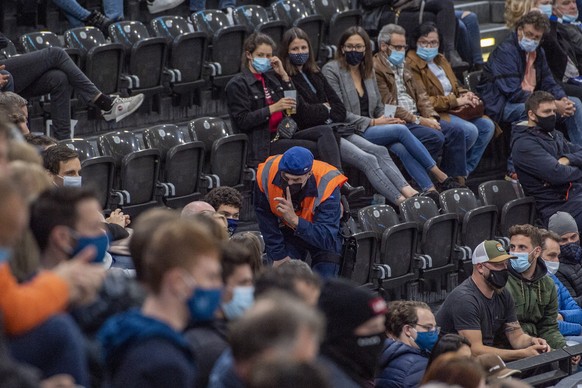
400,366
143,352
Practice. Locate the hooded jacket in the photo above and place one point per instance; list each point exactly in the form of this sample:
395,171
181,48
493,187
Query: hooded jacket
570,274
569,309
536,304
400,366
140,351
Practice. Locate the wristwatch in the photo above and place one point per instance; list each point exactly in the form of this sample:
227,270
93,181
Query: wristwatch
417,120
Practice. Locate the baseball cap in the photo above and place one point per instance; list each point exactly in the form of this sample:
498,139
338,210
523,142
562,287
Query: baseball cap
495,367
490,251
296,161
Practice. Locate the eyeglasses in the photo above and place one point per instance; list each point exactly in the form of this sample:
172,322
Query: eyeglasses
358,47
429,327
399,48
431,43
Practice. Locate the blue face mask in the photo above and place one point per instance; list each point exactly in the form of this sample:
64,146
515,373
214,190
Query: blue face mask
396,57
552,266
101,243
546,9
5,254
262,65
232,225
354,58
522,263
72,181
570,18
426,340
427,53
299,59
528,45
242,299
203,303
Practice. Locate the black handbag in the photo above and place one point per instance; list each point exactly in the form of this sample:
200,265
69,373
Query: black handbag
286,129
343,129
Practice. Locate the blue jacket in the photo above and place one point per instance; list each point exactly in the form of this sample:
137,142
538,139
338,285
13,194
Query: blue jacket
502,75
143,352
569,309
400,366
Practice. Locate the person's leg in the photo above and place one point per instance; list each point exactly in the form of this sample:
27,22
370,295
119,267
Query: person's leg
54,347
471,22
432,139
513,112
225,4
73,11
574,123
282,145
462,39
458,139
445,21
197,5
327,146
113,9
486,128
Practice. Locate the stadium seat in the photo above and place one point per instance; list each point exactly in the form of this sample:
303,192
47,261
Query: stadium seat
337,18
472,80
256,19
34,41
181,162
377,218
359,265
187,54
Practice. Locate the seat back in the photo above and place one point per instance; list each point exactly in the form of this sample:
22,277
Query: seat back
458,201
183,168
170,26
210,21
398,247
418,209
84,38
208,130
119,144
34,41
164,137
228,159
98,174
289,11
128,33
250,16
497,192
358,267
377,218
82,147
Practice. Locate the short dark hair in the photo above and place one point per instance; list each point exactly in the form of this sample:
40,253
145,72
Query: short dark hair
288,37
41,141
55,207
252,242
527,230
53,156
253,41
537,98
447,343
538,20
401,313
423,30
367,65
234,254
224,195
548,234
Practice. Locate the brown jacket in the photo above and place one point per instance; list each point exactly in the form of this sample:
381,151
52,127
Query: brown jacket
388,90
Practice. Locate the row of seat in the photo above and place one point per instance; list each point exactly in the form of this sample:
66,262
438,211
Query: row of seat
429,245
163,164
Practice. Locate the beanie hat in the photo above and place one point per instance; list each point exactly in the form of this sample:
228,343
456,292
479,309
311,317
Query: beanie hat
346,306
296,161
562,223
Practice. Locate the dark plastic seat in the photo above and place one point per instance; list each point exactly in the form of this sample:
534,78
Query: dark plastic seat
337,18
472,80
137,170
512,207
256,19
377,218
35,41
102,62
182,162
145,56
358,268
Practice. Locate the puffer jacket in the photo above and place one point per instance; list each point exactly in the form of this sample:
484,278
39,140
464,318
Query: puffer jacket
569,309
536,304
570,274
400,366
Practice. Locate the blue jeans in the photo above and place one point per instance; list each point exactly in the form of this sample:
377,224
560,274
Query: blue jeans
409,149
199,5
478,133
113,9
76,14
55,347
326,270
431,139
469,38
454,161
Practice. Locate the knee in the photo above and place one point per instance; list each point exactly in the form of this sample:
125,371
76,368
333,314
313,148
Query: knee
470,18
57,80
56,52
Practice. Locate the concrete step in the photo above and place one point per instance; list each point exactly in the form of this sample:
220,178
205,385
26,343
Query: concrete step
497,11
491,35
481,8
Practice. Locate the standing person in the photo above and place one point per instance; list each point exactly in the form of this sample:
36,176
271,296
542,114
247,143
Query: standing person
351,75
297,202
322,105
435,73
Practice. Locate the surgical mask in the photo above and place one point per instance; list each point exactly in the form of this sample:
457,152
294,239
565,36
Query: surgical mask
100,243
570,18
546,124
427,53
5,254
71,181
396,57
546,9
262,65
552,266
528,45
232,225
203,303
426,339
498,278
571,252
242,299
521,263
299,59
354,58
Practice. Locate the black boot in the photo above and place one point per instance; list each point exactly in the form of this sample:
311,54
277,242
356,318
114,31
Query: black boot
352,192
97,19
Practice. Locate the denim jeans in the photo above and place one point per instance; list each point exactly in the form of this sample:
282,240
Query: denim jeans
408,148
479,132
326,263
51,71
469,38
431,139
374,161
326,270
76,14
113,9
199,5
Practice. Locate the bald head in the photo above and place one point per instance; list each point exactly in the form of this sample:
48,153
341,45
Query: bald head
196,207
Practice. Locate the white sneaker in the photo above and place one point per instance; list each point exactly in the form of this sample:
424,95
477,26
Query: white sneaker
123,107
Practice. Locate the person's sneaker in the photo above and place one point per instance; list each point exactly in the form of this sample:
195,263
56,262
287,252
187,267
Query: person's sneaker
449,183
97,19
123,107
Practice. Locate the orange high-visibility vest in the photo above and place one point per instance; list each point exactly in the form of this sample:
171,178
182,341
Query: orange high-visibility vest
327,179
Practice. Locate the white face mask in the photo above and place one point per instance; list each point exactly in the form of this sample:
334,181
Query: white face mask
71,181
552,266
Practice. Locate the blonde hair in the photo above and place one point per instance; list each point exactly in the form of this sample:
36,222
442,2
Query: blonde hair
30,178
20,150
515,9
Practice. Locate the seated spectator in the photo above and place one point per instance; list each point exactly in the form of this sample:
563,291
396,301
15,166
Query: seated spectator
19,150
294,277
547,164
455,371
51,71
215,223
351,76
285,374
468,39
434,72
209,339
63,165
412,334
196,207
354,333
534,293
482,310
17,109
42,142
321,105
31,179
278,326
253,243
450,343
145,347
78,15
228,202
495,369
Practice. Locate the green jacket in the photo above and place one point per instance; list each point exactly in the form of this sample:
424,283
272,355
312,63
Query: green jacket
536,304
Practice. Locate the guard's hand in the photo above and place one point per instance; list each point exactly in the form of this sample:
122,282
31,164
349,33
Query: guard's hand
285,208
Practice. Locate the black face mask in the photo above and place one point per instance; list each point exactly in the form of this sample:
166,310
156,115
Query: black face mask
571,252
362,352
498,279
546,124
295,190
354,58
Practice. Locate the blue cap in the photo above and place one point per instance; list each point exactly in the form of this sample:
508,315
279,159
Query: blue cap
296,161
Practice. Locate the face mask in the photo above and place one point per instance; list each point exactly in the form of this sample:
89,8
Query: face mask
242,300
427,53
232,225
546,124
528,45
363,351
571,252
299,59
5,254
546,9
354,58
101,243
396,57
570,18
262,65
498,279
426,340
203,303
552,266
72,181
522,263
